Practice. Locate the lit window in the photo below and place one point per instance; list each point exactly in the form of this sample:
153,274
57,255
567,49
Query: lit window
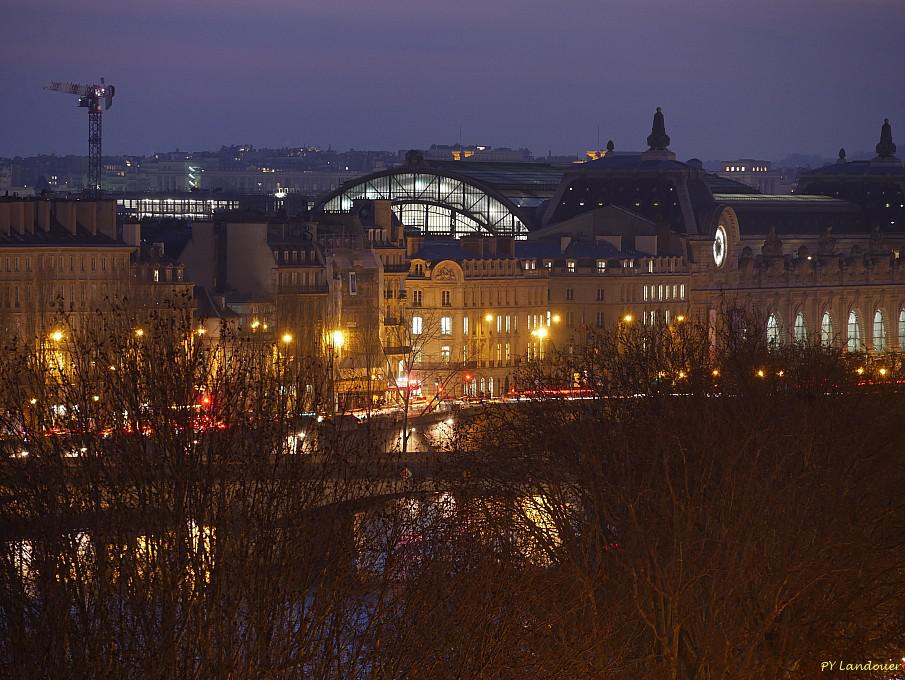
446,325
879,331
417,325
416,298
156,275
902,329
445,298
570,266
445,354
853,343
465,326
773,331
601,266
799,329
650,266
826,330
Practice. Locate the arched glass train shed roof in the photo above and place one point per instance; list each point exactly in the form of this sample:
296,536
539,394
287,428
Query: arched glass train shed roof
457,198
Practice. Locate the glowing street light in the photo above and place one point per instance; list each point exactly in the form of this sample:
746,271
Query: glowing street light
540,332
557,318
680,318
882,372
286,338
488,317
139,332
628,318
338,338
760,373
715,373
56,336
255,325
202,331
860,370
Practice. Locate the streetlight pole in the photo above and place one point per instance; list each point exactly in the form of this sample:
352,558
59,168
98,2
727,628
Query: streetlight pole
337,340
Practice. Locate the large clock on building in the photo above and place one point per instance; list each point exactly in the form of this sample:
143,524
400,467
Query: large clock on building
719,246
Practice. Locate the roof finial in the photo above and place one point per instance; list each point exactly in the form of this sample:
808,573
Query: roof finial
658,139
841,158
610,146
885,148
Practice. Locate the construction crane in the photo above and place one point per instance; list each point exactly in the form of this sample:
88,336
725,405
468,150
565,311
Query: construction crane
95,98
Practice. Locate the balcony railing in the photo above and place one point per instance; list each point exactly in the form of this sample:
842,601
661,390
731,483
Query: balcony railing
395,268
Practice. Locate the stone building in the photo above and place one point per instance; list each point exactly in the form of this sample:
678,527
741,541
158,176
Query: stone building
70,260
639,237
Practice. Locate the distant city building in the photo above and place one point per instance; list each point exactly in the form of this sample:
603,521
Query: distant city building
759,175
459,152
177,206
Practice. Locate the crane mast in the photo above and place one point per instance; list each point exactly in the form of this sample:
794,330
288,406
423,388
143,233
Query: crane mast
97,99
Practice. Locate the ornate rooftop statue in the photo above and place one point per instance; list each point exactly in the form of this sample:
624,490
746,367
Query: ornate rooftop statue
658,139
841,158
772,245
610,146
826,244
885,147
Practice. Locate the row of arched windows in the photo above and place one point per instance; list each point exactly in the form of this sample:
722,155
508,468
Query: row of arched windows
854,341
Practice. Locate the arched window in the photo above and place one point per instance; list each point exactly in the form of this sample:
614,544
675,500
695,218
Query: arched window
826,330
879,331
854,332
799,329
773,331
902,330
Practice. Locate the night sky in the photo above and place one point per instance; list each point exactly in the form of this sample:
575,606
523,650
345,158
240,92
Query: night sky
759,78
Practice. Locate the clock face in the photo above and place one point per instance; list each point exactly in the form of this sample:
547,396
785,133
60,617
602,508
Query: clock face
719,246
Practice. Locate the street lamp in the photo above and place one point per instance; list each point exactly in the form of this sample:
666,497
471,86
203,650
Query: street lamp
488,317
139,332
628,318
56,335
540,334
337,342
286,338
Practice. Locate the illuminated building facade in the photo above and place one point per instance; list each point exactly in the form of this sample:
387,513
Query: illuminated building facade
65,260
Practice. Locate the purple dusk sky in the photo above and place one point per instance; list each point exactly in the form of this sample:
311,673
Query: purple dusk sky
758,78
